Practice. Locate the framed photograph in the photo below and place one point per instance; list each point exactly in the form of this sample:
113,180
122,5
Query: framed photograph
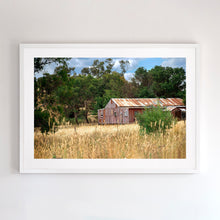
108,108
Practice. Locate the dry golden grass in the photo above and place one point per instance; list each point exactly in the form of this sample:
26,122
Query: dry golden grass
110,141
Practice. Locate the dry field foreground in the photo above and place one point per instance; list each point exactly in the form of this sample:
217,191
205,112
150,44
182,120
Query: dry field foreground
110,141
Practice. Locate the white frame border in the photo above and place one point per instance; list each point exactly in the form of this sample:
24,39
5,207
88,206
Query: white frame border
44,165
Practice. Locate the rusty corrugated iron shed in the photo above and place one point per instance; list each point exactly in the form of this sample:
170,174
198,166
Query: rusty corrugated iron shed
145,102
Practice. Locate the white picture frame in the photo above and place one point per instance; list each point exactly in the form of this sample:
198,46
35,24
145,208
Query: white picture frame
30,165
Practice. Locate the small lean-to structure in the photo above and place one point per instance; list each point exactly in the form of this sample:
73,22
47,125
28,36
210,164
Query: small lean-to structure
124,110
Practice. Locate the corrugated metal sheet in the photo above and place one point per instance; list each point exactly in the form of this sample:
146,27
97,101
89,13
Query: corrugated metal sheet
171,108
144,102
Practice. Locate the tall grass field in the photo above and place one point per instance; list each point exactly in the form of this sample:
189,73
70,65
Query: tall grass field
110,142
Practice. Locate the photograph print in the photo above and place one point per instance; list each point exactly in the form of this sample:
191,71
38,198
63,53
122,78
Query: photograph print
110,107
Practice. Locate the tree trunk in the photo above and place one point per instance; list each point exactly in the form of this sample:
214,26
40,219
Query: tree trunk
86,112
76,119
86,117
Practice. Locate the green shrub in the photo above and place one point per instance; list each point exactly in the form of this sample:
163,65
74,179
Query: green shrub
155,119
43,120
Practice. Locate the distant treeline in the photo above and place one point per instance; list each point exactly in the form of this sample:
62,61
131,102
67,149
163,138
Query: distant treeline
75,97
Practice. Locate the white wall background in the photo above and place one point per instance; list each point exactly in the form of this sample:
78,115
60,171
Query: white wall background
110,197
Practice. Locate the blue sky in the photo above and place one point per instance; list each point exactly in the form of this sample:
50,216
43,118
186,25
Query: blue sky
134,63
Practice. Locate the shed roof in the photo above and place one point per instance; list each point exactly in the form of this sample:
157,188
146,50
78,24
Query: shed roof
144,102
181,108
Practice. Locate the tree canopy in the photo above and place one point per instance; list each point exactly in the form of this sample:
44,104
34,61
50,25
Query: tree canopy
74,97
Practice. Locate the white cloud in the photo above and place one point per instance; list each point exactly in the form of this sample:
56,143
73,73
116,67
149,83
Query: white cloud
80,62
174,62
128,76
132,63
117,64
50,68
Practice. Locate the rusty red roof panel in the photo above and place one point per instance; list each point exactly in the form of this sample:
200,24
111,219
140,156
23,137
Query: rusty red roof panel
144,102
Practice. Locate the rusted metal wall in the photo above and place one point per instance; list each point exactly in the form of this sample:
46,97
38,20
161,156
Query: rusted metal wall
112,114
133,112
117,115
101,116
